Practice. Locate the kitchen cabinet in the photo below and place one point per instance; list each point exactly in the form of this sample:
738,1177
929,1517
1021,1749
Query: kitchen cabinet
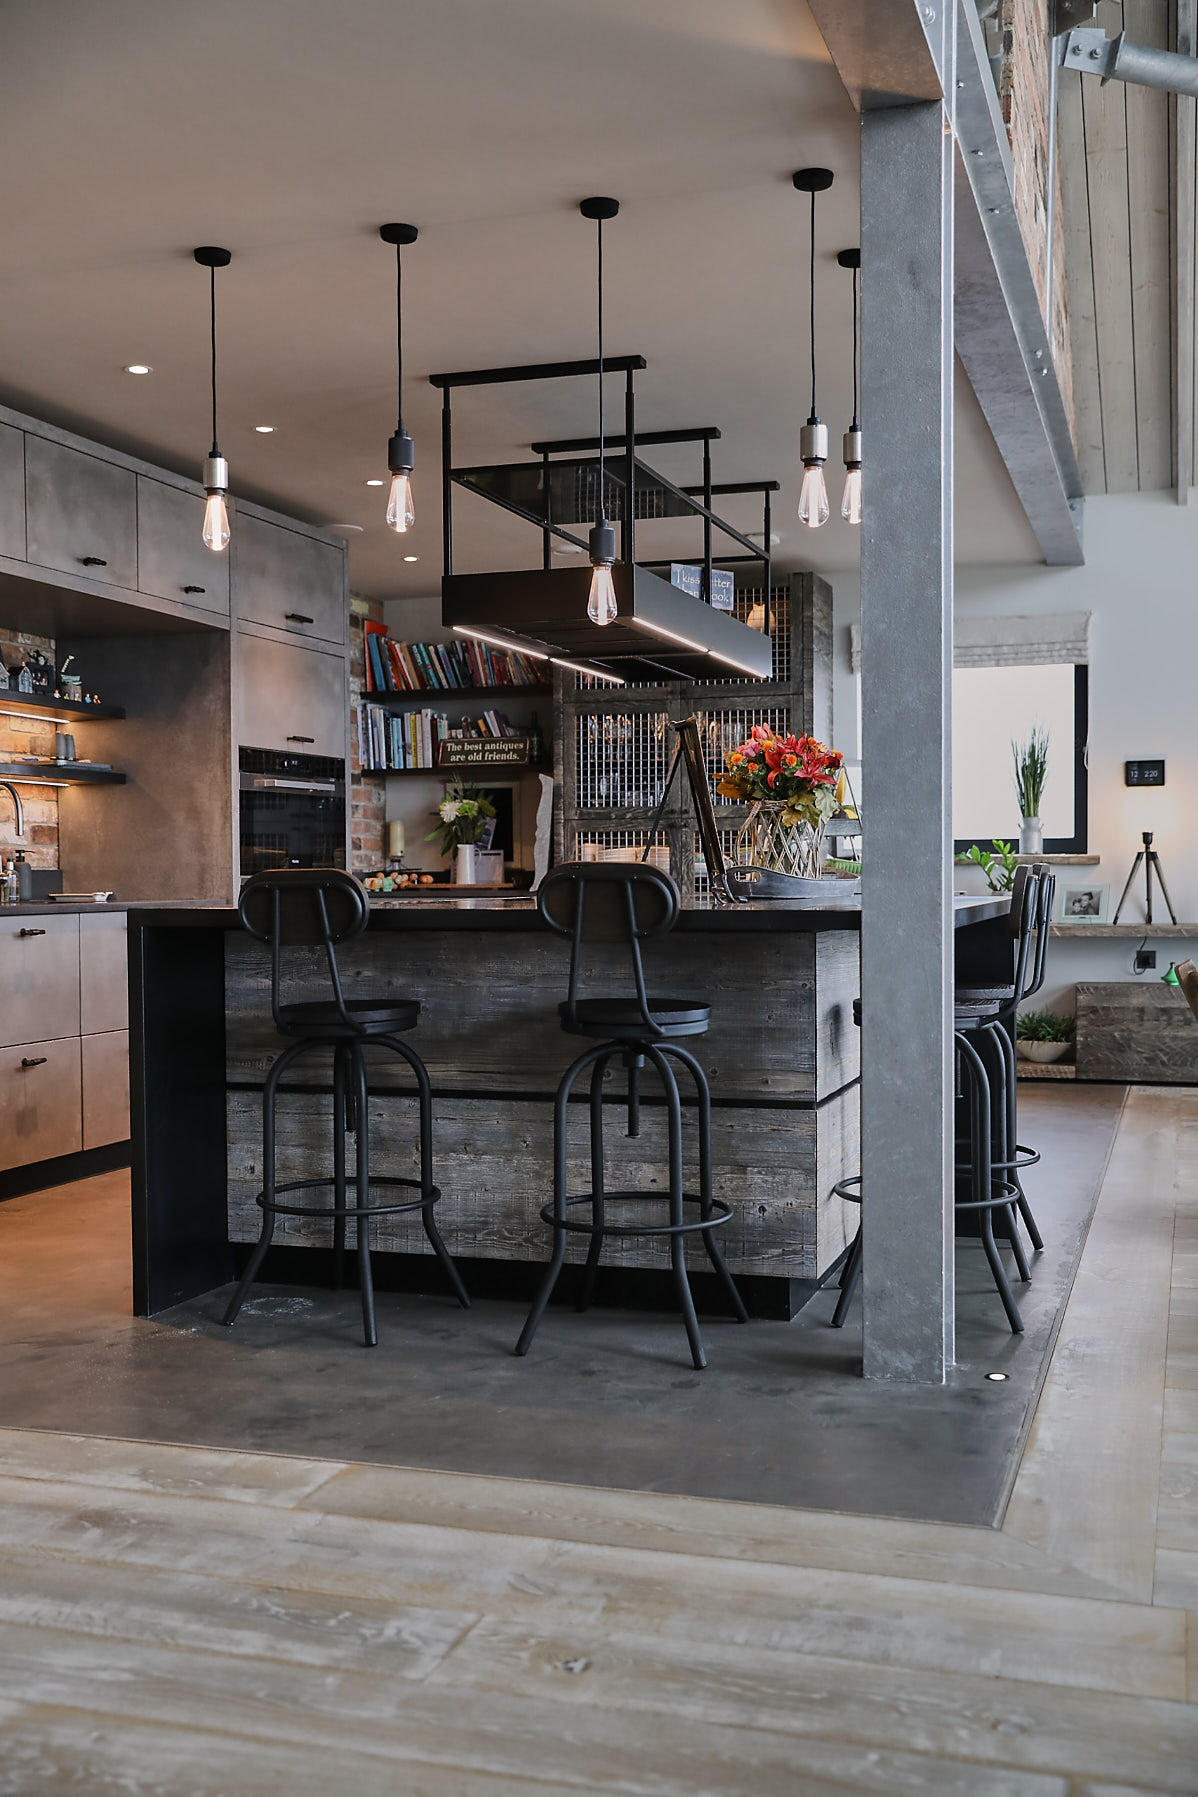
172,559
40,1101
12,492
80,513
105,1088
290,697
288,580
103,973
39,978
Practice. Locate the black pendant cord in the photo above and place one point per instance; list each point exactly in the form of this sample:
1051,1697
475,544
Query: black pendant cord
602,483
212,311
856,424
399,334
814,414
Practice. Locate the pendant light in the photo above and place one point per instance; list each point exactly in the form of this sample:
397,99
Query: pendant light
216,469
850,504
601,603
813,437
401,514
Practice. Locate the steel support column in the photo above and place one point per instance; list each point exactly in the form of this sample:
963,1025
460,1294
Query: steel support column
906,650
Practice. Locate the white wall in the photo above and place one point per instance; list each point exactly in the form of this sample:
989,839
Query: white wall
1140,585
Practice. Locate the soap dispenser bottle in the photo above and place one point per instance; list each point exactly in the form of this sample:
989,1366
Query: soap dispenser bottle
24,878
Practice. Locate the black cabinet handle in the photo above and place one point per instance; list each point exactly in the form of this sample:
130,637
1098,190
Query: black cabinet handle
298,617
93,561
33,932
195,589
36,1060
301,739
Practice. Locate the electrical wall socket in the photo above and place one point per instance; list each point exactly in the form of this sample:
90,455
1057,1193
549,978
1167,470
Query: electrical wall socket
1145,961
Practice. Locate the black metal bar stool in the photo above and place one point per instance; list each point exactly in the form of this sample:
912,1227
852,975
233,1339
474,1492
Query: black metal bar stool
319,908
627,903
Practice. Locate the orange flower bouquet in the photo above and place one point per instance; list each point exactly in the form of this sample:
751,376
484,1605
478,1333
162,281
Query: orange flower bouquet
792,785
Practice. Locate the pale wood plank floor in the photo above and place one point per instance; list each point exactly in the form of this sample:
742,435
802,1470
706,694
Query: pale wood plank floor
213,1624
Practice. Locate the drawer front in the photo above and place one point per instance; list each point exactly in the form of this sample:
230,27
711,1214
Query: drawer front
172,561
288,580
290,697
80,513
12,492
40,1102
103,973
39,978
105,1089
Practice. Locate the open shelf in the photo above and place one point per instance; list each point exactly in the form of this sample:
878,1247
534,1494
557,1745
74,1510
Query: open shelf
1129,932
470,693
58,773
36,706
462,768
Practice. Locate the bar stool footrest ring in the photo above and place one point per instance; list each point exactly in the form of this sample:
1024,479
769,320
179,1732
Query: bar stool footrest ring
720,1213
428,1196
1001,1192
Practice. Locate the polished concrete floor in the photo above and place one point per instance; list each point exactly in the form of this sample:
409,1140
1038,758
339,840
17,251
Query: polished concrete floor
609,1399
187,1622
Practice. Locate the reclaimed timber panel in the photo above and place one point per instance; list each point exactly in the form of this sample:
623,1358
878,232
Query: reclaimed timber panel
1147,23
1141,1033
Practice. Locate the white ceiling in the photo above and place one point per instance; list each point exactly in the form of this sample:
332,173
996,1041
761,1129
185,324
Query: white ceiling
289,129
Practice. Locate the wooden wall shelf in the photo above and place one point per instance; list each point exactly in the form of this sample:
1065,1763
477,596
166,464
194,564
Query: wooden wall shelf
55,773
1129,932
35,705
467,694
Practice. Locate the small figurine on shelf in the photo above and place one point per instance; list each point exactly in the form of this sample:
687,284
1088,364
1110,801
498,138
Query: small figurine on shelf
72,684
4,678
25,679
41,672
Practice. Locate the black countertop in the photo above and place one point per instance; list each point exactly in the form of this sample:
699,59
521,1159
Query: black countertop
436,912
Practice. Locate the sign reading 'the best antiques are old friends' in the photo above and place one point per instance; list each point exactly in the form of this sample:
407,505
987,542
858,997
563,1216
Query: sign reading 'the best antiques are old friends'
483,751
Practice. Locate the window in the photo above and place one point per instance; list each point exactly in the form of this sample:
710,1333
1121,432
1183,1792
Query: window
994,706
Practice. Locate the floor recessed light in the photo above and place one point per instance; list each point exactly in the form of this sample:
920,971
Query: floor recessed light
264,430
376,483
997,1378
138,368
411,558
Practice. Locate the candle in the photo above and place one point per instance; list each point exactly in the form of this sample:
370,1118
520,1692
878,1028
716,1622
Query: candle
395,838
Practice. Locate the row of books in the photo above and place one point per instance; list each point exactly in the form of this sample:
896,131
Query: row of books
442,667
411,739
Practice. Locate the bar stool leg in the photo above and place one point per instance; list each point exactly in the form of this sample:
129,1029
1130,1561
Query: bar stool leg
365,1276
428,1190
850,1273
714,1252
268,1181
559,1196
340,1130
1025,1209
677,1244
595,1248
980,1172
993,1038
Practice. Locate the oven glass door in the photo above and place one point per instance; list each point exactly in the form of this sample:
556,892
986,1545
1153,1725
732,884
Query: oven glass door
284,826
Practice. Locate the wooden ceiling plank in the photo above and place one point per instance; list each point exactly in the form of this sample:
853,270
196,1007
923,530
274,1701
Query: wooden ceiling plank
1105,113
1079,270
1148,201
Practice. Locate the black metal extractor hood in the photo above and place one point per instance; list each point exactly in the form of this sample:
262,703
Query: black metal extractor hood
659,632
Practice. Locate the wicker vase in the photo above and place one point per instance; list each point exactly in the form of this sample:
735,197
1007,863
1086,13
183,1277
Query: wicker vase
763,840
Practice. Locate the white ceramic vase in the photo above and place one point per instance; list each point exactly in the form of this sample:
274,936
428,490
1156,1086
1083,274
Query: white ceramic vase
464,872
1031,837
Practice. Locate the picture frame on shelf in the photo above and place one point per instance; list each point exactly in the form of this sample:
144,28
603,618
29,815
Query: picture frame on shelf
1083,902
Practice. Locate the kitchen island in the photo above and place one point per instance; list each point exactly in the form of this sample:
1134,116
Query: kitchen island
782,1058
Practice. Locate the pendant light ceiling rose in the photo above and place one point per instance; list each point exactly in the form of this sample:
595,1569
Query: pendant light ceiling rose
813,180
208,256
598,207
398,234
849,258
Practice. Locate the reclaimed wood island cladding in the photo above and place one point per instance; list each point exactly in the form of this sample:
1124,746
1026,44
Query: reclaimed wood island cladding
781,1056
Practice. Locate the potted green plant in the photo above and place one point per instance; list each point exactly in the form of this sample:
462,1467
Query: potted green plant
998,863
463,814
1031,771
1044,1037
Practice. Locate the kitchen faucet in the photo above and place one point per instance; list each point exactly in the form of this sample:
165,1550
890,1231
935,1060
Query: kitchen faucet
17,805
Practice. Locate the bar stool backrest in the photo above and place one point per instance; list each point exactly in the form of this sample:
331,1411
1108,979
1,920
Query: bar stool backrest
609,901
1025,909
304,907
1042,924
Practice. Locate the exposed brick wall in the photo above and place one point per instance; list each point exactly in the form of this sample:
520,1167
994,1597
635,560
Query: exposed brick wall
1024,84
367,793
28,736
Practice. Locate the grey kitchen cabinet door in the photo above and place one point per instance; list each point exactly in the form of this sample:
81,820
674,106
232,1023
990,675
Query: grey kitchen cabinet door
172,559
80,513
103,973
41,1112
12,492
39,977
105,1089
290,697
288,580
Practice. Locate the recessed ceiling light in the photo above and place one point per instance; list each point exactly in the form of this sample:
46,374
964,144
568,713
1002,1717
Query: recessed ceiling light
376,483
264,430
411,558
138,368
346,530
997,1378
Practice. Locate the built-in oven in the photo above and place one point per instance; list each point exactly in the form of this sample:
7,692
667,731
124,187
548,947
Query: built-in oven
292,811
